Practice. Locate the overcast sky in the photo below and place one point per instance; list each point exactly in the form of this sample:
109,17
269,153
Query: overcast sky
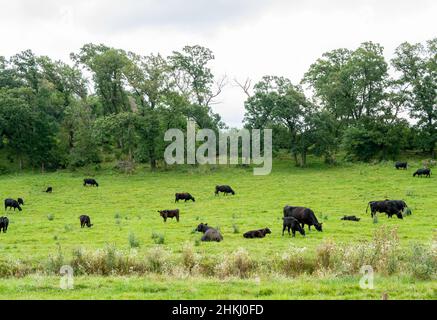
250,38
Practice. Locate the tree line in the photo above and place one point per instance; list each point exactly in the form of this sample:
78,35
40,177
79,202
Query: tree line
353,101
107,104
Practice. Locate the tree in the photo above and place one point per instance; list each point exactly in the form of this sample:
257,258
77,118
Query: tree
195,81
107,65
350,84
417,66
277,101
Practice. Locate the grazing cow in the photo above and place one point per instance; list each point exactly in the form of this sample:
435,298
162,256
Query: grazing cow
20,201
390,207
85,221
11,203
420,172
4,222
169,214
261,233
184,196
350,218
90,182
293,224
401,165
304,216
49,190
209,234
225,189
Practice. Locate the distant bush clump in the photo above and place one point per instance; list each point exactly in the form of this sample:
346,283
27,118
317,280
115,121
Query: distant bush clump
133,241
158,238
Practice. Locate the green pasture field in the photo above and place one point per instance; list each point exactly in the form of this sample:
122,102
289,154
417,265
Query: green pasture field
127,204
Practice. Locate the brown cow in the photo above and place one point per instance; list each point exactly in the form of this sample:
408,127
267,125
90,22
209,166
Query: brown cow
169,214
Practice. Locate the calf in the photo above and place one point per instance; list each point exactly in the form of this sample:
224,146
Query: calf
304,216
85,221
184,196
261,233
11,203
350,218
225,189
401,165
49,190
422,172
4,222
90,182
209,234
293,224
169,214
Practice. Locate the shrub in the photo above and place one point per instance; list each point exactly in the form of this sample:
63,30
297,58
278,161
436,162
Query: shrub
237,264
50,217
189,257
157,260
325,255
422,262
293,262
133,241
158,238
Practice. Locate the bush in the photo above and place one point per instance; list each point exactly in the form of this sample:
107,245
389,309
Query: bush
158,238
237,264
50,217
157,260
189,257
293,262
422,262
133,241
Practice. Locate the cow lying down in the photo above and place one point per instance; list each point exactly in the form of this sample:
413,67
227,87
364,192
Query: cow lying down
209,233
350,218
261,233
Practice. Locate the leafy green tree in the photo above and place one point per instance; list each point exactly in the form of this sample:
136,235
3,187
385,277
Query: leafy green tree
194,80
276,101
107,66
417,66
375,139
350,84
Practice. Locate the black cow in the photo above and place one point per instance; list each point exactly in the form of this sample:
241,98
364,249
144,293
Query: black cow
423,172
20,201
85,221
49,190
350,218
184,196
401,165
225,189
261,233
169,214
390,207
11,203
293,224
304,216
209,234
4,222
90,182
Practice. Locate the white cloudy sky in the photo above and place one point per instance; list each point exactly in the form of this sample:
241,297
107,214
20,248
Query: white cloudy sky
250,38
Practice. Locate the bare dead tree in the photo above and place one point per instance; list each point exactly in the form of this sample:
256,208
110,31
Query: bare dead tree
219,84
246,86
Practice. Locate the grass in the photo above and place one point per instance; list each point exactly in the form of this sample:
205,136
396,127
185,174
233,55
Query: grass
123,206
160,287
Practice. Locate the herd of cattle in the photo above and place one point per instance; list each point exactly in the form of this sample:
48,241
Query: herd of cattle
294,218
